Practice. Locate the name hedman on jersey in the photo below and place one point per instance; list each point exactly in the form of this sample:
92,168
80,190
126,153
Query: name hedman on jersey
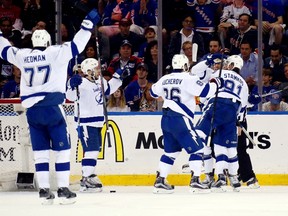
37,58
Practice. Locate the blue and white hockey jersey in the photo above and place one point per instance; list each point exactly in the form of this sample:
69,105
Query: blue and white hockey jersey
178,91
43,72
91,100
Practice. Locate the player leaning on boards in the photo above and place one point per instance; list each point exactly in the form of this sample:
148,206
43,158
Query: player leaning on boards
178,90
43,86
90,121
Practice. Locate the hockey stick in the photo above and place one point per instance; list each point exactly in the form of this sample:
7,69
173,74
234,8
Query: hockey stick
77,101
194,52
103,91
246,133
217,91
275,92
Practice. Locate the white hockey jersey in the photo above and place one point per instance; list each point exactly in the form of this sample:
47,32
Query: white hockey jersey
43,72
202,71
178,91
91,100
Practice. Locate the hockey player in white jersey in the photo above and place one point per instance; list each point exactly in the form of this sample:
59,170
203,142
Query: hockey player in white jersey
178,90
232,100
87,92
204,70
42,91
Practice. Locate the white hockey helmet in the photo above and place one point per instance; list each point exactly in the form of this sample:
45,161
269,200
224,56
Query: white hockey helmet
234,61
180,61
41,38
90,67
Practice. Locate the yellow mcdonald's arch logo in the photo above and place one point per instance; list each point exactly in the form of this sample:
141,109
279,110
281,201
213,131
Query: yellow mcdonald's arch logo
116,140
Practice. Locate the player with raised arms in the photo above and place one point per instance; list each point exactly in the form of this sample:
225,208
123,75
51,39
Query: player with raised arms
178,90
42,91
90,121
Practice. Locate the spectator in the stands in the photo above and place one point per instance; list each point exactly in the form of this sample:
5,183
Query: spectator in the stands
272,21
3,81
114,11
31,13
151,60
206,14
214,47
173,11
276,62
187,47
244,32
186,34
266,87
249,71
12,88
275,103
137,92
125,34
125,61
8,9
117,102
143,14
149,35
283,85
230,16
14,37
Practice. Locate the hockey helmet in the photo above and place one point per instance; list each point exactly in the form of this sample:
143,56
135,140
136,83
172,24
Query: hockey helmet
41,38
234,61
90,67
180,61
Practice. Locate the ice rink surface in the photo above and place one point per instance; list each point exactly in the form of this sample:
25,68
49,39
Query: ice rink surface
140,201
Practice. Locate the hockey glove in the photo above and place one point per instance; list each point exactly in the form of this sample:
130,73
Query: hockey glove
75,81
219,82
122,73
126,72
210,59
254,98
90,20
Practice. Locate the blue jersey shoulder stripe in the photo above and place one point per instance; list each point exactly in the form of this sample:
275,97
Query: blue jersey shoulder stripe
74,49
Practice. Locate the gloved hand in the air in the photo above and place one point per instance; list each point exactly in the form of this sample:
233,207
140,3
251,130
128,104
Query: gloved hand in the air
254,98
90,20
75,81
210,59
122,73
219,82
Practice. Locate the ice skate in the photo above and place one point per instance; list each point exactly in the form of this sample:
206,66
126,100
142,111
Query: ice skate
197,187
161,186
209,179
234,182
253,183
218,185
66,196
91,184
46,196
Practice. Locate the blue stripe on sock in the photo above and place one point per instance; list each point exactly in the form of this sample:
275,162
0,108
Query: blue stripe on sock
89,162
62,166
221,158
232,160
194,157
167,160
42,167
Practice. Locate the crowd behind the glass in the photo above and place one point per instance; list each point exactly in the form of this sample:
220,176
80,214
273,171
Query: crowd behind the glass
128,39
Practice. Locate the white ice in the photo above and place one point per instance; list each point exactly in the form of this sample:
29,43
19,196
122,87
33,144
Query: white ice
138,201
